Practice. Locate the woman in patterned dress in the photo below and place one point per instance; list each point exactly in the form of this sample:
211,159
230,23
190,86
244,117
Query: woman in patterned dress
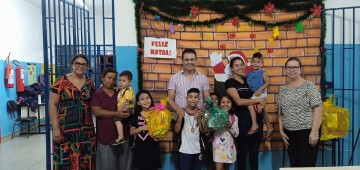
73,128
300,107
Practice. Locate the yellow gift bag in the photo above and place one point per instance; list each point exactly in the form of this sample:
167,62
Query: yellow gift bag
335,120
158,120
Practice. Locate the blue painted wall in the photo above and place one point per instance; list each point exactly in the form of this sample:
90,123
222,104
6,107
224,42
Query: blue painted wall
6,94
126,60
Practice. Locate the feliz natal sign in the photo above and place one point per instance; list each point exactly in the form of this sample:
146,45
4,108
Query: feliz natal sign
159,47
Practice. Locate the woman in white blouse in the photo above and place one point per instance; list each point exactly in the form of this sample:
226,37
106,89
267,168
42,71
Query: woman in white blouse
300,107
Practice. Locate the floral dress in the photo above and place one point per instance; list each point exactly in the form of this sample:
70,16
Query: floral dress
224,149
77,149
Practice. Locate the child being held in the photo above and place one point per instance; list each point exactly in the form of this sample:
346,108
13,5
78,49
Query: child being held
258,82
125,98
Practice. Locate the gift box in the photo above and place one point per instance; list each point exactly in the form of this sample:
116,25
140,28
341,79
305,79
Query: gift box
158,120
215,118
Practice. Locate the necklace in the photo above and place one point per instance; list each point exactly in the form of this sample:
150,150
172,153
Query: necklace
192,123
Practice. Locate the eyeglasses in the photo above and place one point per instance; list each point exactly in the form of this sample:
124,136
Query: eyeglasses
78,64
189,59
292,68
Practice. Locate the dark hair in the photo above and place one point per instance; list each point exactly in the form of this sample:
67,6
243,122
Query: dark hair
138,108
126,73
108,70
293,59
216,94
79,56
232,109
193,90
258,55
188,50
234,59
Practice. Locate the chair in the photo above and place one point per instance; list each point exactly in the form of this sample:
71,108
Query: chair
13,107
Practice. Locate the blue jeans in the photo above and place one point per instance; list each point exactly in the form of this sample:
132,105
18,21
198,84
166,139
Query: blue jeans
190,161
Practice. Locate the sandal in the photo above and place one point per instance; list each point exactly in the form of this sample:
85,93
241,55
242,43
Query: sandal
269,134
252,132
118,142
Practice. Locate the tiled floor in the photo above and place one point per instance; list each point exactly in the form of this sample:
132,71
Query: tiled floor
20,153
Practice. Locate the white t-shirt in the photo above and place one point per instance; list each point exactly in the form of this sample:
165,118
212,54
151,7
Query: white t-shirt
190,138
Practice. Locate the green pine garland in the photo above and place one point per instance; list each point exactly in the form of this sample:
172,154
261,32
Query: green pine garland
171,10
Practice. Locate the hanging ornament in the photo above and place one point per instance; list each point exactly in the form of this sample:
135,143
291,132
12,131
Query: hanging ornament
271,39
316,10
180,26
242,28
172,29
299,27
194,11
210,25
219,28
209,37
275,32
232,35
251,23
252,36
270,50
157,17
269,9
222,46
235,22
256,49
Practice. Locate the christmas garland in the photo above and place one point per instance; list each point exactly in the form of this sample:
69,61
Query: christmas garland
171,11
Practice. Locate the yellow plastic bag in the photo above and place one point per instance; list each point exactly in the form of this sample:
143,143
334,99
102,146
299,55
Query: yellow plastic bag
335,120
158,120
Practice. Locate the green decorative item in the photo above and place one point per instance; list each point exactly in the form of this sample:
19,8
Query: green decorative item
215,118
299,27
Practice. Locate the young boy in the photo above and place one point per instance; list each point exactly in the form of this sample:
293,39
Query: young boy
258,82
126,95
214,98
189,125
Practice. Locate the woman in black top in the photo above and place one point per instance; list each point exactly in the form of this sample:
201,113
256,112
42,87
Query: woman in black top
241,93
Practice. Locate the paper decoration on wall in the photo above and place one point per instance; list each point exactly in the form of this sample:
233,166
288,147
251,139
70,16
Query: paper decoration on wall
210,25
269,8
218,67
270,50
157,17
172,29
299,27
180,26
242,28
219,28
316,10
222,22
235,22
232,35
194,11
252,35
209,37
256,49
275,32
243,57
222,46
271,39
251,23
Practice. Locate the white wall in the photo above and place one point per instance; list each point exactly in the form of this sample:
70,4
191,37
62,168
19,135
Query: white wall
339,37
21,30
125,23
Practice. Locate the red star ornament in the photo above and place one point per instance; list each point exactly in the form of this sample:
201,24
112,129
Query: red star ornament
194,11
269,8
316,10
235,22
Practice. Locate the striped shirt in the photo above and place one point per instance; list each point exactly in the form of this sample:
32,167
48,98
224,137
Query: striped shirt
181,84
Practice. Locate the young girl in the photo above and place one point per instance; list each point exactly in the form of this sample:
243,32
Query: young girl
146,150
224,150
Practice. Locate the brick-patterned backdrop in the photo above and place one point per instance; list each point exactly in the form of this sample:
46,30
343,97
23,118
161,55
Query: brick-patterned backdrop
205,40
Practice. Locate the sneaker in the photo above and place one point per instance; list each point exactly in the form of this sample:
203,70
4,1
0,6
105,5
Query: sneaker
118,142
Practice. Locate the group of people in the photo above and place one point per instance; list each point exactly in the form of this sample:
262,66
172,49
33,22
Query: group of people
121,140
